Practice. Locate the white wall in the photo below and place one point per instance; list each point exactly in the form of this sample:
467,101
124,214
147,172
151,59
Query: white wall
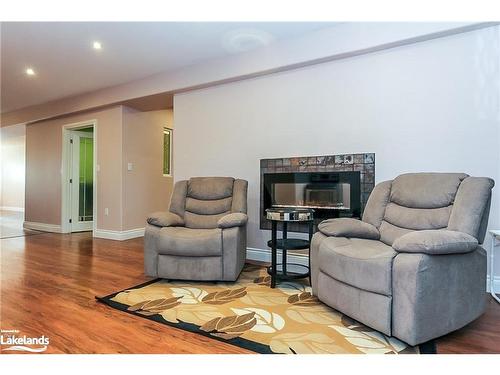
13,146
429,106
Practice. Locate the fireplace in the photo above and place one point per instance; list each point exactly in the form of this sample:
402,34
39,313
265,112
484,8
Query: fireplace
330,194
332,185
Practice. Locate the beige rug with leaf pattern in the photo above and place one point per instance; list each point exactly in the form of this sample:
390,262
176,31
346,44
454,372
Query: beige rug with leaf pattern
249,314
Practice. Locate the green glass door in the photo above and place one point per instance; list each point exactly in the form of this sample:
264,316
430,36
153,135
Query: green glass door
86,180
82,180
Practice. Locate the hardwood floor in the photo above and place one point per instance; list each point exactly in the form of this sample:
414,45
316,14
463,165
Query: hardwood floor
48,284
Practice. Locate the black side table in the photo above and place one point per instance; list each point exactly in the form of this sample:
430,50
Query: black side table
284,271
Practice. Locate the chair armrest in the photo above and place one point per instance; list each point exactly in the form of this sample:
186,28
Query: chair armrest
165,219
435,242
347,227
235,219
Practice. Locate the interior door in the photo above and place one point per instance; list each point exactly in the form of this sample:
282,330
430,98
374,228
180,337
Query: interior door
82,181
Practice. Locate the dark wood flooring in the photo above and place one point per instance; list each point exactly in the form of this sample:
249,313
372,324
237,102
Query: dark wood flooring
48,284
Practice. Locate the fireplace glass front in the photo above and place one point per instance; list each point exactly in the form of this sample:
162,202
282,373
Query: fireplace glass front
328,196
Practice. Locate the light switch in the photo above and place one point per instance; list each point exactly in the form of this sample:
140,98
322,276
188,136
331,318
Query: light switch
130,166
98,167
106,211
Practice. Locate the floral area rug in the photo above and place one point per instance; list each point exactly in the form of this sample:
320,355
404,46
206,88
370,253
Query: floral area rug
251,315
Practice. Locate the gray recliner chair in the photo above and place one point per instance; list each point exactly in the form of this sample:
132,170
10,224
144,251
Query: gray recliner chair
203,235
413,267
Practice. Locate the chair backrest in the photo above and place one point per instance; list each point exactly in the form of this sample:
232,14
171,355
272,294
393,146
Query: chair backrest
420,201
202,201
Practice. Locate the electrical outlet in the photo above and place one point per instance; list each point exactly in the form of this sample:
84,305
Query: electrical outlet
106,211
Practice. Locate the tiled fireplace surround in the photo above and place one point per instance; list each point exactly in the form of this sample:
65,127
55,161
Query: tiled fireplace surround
364,163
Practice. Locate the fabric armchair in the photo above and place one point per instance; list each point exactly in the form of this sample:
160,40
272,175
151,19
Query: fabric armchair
203,234
413,266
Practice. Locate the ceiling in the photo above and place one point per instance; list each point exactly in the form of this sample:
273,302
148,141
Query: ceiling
66,64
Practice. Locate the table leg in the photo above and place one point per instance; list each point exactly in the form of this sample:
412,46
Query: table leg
283,254
311,229
273,254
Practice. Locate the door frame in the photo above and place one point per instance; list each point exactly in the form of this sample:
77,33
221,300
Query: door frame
66,167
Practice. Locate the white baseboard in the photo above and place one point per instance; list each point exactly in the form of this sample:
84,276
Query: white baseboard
496,284
119,235
11,208
264,255
53,228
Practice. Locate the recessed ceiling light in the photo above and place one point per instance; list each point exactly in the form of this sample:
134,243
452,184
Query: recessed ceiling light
30,72
97,45
242,40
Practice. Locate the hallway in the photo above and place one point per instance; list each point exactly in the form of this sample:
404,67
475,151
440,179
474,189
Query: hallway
11,225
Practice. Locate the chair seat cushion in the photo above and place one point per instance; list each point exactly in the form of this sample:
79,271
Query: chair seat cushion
190,242
364,264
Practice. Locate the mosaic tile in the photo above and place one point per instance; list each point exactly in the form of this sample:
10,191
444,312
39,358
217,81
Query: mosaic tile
348,159
369,158
369,168
330,160
358,158
366,188
369,177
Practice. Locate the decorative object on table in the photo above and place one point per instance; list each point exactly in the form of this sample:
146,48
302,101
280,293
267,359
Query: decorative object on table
282,271
250,315
413,267
203,235
495,241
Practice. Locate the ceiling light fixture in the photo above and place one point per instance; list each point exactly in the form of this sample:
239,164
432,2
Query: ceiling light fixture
97,45
30,72
242,40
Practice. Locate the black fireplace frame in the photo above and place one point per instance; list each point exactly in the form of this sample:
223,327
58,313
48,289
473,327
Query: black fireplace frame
353,178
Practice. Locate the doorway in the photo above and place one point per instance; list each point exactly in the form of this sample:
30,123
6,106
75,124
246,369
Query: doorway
78,208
